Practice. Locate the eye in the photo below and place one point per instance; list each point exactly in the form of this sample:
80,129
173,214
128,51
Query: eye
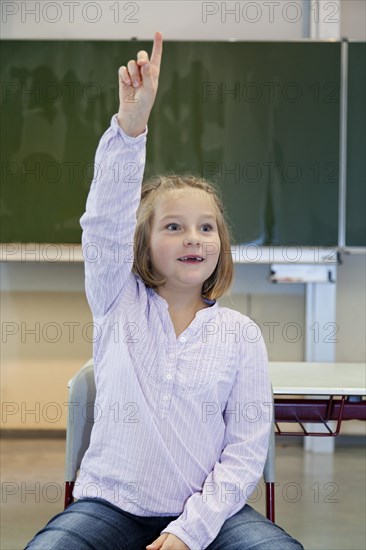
209,226
172,224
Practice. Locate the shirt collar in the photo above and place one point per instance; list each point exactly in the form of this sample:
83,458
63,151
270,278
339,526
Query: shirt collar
160,300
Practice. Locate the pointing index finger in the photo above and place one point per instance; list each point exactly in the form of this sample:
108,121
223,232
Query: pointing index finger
157,49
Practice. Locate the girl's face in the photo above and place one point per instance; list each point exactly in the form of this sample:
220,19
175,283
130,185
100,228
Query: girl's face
184,223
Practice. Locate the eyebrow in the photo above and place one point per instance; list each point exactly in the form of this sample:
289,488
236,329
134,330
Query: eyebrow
177,216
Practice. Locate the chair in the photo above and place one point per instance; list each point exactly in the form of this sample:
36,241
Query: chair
80,421
82,394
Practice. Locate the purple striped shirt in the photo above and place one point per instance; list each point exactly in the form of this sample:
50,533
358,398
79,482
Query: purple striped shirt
181,423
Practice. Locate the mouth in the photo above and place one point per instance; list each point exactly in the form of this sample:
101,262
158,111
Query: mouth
191,259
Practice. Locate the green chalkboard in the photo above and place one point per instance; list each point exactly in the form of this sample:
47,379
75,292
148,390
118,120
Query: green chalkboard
260,119
356,146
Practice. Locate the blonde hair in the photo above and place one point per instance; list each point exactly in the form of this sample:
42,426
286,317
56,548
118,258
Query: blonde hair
159,186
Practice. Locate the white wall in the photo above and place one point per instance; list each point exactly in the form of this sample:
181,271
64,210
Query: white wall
353,19
176,19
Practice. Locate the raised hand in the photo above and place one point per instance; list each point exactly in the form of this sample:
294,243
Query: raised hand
138,85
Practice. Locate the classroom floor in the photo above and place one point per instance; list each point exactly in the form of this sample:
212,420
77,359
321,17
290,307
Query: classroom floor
320,498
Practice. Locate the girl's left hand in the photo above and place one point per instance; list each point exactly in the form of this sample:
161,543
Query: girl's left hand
167,541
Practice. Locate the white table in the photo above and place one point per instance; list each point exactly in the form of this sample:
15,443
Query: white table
323,383
303,378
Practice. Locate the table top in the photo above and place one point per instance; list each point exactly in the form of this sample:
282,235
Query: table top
305,378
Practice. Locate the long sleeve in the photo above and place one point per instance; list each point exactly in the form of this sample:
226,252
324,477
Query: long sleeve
247,417
110,218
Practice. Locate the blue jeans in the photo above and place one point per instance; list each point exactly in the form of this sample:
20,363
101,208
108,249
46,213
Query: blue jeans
95,524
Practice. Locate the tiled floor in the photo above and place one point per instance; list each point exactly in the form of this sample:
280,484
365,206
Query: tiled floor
320,499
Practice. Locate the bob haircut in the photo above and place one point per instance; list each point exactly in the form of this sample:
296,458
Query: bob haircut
159,186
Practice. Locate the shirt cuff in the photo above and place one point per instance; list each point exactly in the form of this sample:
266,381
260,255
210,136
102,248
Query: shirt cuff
182,535
129,139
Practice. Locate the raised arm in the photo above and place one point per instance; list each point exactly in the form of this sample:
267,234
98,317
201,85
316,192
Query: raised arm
109,220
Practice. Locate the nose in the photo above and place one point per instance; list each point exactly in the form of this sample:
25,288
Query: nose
192,240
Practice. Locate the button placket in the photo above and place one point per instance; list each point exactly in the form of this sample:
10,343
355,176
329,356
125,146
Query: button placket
171,364
166,391
164,404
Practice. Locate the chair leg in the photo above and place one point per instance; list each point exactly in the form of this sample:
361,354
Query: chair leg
270,501
69,499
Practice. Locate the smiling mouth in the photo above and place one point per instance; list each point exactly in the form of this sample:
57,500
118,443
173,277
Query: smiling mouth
191,259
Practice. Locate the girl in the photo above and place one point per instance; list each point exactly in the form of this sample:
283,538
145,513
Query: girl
183,393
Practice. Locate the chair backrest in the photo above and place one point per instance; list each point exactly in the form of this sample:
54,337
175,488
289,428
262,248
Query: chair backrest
80,419
269,472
